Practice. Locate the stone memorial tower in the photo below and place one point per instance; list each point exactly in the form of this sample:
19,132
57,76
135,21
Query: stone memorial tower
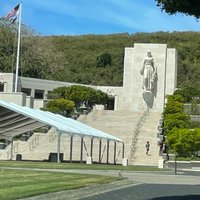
150,73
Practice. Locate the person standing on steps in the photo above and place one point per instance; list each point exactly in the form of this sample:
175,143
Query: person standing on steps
147,146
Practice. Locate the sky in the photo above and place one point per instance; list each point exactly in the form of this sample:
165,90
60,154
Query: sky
81,17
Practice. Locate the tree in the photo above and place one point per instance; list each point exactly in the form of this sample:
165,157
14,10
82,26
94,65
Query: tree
187,7
37,58
174,104
61,106
189,92
174,116
7,38
185,142
176,121
103,60
80,94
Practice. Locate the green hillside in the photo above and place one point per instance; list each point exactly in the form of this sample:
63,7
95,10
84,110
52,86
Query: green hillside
81,53
93,59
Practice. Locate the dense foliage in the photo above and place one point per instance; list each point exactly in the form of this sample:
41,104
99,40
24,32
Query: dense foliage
179,137
189,93
174,116
80,95
185,142
188,7
61,106
82,53
37,57
174,104
92,59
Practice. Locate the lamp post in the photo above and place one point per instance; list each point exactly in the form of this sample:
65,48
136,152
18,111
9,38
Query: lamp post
175,164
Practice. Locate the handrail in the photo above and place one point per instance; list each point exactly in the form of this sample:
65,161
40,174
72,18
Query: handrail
136,132
103,152
117,155
85,148
34,142
82,118
14,150
93,115
52,134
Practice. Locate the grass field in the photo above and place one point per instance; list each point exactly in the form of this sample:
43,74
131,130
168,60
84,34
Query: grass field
52,165
16,182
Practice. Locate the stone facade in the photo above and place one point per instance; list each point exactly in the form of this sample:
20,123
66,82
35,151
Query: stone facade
166,63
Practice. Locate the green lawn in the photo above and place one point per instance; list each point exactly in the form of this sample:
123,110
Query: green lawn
16,184
52,165
19,183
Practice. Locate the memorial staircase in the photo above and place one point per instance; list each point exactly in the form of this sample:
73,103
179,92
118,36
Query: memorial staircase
133,128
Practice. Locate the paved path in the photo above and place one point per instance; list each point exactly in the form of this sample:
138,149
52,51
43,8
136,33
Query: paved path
151,192
144,183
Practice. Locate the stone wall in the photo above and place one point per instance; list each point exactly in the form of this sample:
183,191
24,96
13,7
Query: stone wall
183,164
195,118
192,109
18,98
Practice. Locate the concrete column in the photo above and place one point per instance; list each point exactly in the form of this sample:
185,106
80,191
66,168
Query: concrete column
91,147
45,94
114,153
100,143
122,150
107,152
58,147
115,103
11,153
5,87
33,92
81,153
71,148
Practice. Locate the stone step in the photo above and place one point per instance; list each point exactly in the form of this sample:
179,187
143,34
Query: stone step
120,128
118,123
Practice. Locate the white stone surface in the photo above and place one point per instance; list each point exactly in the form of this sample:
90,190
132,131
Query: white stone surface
161,163
166,63
18,98
125,161
8,79
171,71
89,160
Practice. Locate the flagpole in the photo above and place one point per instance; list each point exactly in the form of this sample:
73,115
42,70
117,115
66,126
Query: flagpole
18,47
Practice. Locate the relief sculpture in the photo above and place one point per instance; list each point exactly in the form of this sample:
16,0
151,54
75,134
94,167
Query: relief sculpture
149,72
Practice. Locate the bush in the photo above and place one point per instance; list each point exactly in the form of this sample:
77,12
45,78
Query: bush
185,142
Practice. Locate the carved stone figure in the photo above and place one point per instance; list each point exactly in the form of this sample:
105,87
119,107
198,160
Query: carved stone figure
149,72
